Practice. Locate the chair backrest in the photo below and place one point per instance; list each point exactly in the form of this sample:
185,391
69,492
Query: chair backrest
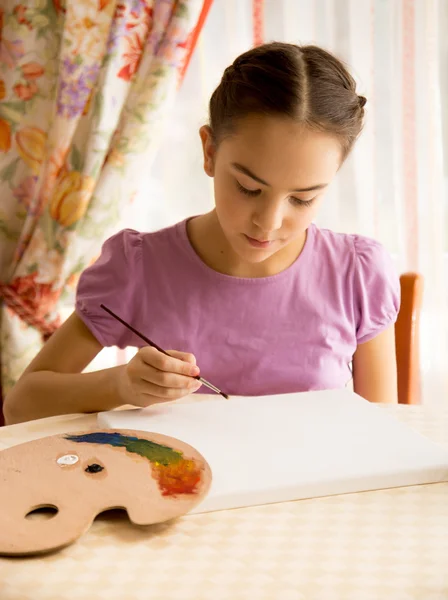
407,339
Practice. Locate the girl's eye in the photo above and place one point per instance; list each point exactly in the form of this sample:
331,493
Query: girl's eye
253,193
246,191
299,202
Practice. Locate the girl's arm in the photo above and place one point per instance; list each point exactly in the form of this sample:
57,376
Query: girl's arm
54,383
375,368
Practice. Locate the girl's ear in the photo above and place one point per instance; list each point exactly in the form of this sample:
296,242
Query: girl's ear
208,149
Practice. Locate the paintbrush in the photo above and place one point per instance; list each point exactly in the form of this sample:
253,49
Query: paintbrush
154,345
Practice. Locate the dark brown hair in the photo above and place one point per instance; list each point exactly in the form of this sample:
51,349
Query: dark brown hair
304,83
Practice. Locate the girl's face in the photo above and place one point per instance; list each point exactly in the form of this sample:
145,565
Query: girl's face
269,179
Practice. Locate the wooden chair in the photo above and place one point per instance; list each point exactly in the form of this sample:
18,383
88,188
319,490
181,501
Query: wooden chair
407,339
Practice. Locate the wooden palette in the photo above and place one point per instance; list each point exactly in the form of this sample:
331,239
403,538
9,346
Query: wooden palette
153,477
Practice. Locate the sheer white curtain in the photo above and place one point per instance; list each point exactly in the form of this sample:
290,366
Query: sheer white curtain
394,186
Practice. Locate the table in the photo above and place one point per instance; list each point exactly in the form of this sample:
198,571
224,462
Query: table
389,544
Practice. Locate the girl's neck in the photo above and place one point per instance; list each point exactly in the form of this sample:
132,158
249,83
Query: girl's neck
210,244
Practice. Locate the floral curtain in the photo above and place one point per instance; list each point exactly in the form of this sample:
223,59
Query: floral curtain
84,89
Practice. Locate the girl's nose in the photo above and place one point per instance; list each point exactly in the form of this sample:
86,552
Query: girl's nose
268,217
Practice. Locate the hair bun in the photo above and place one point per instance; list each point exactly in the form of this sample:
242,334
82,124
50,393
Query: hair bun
362,101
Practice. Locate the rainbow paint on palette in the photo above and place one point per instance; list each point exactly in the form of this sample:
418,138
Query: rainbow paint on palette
174,473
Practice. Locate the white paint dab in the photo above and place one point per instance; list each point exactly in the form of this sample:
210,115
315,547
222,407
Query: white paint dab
68,459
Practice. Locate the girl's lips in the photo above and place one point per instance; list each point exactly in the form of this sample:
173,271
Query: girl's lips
258,243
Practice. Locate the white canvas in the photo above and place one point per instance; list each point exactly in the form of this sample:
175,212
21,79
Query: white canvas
289,447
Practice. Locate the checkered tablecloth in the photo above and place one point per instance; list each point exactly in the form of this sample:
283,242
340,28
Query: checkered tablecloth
385,545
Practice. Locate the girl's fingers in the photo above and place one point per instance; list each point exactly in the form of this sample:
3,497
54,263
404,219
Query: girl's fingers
170,364
164,379
158,393
184,356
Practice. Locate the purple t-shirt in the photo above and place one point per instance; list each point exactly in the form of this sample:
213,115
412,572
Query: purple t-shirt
290,332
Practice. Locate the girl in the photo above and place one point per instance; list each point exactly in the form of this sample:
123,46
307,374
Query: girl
252,295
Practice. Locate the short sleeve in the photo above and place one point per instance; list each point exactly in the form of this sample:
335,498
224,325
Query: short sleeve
111,280
376,289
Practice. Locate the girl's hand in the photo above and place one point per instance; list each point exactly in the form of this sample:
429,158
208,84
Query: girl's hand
151,377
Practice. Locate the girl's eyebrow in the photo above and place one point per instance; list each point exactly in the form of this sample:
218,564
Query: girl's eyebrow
249,173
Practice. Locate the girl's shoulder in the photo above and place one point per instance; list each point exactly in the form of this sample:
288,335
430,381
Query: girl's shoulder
119,277
358,248
363,260
367,278
130,242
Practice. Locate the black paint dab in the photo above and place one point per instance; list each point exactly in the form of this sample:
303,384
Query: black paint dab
94,468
